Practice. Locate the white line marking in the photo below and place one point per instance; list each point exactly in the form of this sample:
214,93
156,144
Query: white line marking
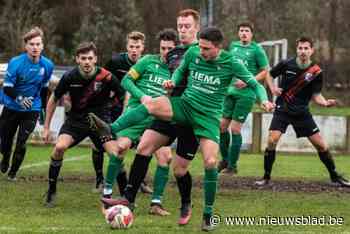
47,162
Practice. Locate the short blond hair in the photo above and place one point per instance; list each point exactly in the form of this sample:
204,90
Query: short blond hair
34,32
136,35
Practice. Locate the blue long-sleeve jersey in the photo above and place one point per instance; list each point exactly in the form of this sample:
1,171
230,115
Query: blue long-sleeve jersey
27,78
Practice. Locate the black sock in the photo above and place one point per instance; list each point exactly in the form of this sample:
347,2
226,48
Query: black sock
17,159
54,171
327,160
269,159
184,183
97,161
137,174
122,181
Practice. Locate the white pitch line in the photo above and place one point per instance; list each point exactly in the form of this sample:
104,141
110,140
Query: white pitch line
47,162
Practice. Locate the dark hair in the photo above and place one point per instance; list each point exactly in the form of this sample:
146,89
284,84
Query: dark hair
34,32
86,47
212,34
246,24
305,39
168,34
136,35
190,12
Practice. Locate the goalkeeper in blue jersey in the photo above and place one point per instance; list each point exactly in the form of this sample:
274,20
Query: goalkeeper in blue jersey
27,76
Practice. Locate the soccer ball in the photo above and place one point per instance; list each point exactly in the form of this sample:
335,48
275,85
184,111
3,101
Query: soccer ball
119,217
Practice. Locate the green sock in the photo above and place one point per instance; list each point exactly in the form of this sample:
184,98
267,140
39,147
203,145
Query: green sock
234,150
224,144
130,118
114,166
160,180
210,183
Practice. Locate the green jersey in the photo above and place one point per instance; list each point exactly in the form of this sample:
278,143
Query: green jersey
146,77
208,81
253,56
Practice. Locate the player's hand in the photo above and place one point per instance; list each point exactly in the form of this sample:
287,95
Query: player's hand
25,102
168,84
240,84
145,99
46,135
331,102
268,106
276,91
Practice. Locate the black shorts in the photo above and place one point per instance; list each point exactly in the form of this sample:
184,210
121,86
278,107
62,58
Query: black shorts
303,125
12,120
79,129
187,143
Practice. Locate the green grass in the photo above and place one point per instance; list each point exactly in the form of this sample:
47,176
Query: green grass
77,210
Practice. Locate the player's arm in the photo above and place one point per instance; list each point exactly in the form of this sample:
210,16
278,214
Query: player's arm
180,72
317,96
135,73
51,105
10,79
263,64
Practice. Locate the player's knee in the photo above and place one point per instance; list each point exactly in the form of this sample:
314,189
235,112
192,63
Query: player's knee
60,148
210,162
179,171
272,142
144,149
163,160
321,148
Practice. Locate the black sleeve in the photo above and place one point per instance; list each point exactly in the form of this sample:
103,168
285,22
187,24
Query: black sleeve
114,66
43,95
62,87
11,92
116,87
317,84
278,69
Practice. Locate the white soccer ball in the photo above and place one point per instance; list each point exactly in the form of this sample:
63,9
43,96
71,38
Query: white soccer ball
119,217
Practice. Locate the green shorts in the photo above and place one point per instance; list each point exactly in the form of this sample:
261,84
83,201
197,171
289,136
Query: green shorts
237,108
204,125
135,132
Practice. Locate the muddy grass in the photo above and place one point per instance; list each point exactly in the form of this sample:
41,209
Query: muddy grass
232,182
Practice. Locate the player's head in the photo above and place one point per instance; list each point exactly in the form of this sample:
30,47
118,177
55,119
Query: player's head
188,24
245,32
135,45
33,42
210,42
86,56
167,41
305,48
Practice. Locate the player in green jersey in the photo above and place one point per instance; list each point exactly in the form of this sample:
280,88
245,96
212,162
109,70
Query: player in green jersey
210,72
143,81
240,99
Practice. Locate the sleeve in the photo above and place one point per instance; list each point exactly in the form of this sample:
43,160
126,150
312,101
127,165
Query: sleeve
11,74
317,84
129,85
116,87
278,69
139,68
62,87
180,72
261,58
242,73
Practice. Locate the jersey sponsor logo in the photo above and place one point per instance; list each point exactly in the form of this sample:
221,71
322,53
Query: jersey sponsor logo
98,86
76,85
205,78
156,79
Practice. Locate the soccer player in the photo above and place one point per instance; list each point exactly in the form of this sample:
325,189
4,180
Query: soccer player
301,82
89,88
143,81
240,99
163,133
210,72
119,65
26,78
